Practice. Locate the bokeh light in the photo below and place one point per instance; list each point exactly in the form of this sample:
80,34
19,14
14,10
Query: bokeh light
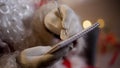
101,22
86,24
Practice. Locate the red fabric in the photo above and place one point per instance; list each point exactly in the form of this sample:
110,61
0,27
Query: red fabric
106,40
42,2
111,39
67,63
103,49
114,58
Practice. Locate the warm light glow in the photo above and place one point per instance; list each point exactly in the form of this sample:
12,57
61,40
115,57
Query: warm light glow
101,22
86,24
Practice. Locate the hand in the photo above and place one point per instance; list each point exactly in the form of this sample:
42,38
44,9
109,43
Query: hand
66,27
36,57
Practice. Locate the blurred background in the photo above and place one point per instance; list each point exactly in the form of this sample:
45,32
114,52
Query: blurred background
106,54
107,13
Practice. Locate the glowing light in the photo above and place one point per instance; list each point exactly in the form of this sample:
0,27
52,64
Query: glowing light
101,22
86,24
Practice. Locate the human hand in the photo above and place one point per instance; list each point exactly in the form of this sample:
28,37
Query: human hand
36,57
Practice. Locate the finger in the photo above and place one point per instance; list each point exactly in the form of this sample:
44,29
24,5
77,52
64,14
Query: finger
36,51
30,58
33,54
53,22
61,52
